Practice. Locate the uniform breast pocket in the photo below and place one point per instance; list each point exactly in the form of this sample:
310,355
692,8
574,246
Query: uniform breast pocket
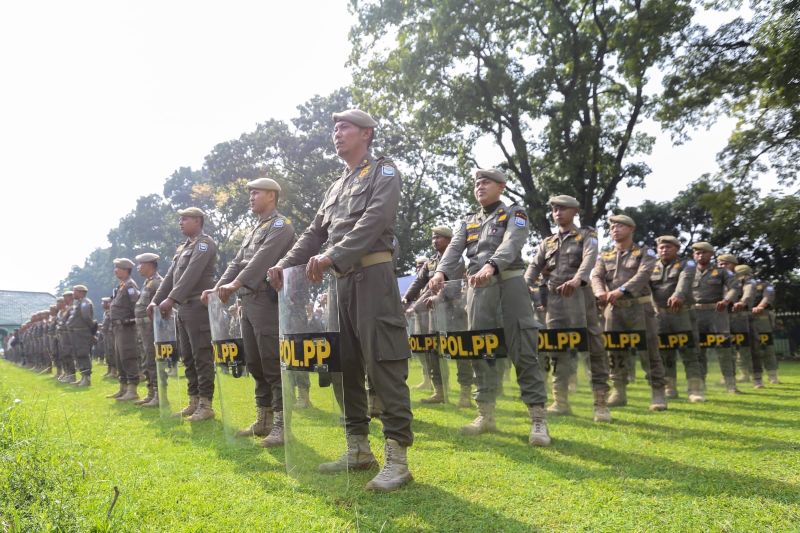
574,257
184,259
357,200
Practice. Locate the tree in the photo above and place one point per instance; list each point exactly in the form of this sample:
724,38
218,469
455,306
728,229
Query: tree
557,85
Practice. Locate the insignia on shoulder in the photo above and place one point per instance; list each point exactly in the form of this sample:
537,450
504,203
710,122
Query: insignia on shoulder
650,252
278,223
636,252
203,247
520,219
691,263
386,170
131,291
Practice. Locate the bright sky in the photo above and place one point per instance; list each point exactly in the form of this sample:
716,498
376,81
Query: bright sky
101,101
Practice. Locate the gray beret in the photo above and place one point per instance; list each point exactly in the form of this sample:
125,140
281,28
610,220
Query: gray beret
147,258
355,116
264,184
622,219
123,262
191,212
669,239
564,200
703,246
493,174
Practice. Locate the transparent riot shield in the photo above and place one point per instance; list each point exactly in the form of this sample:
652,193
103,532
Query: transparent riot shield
423,339
470,325
234,391
311,370
172,393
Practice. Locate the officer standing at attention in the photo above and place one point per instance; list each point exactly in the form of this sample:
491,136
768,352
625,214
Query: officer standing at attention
147,266
493,238
763,320
357,219
64,339
671,283
621,283
270,239
714,290
80,325
108,339
567,258
191,272
123,324
739,314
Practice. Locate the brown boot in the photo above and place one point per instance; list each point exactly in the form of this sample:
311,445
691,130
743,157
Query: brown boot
772,375
437,396
601,411
394,473
86,381
204,410
146,399
68,378
670,389
130,394
261,427
153,401
483,423
758,382
539,435
119,393
189,409
619,396
465,397
696,390
658,399
275,437
303,401
560,405
730,385
357,457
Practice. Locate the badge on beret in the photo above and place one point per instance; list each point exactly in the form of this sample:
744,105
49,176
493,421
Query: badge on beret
278,223
387,170
203,247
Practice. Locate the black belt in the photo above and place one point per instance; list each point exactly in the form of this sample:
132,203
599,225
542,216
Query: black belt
124,322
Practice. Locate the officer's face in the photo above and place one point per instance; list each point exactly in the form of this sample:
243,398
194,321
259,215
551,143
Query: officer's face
349,139
440,243
701,257
620,232
488,191
260,200
725,264
190,225
667,252
120,273
563,215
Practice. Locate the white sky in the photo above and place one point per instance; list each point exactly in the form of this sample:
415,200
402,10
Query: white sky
100,101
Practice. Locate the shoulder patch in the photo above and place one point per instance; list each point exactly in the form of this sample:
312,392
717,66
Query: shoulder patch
131,291
691,264
387,170
770,288
202,247
520,218
650,252
278,223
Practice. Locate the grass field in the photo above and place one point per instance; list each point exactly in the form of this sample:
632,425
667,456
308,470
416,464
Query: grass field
732,464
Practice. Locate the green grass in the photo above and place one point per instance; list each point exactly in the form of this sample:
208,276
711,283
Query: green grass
732,464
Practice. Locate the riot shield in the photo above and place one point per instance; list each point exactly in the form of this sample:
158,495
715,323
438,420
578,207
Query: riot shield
234,391
311,360
172,393
423,341
469,322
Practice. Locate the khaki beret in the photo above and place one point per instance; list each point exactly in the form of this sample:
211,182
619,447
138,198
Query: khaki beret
124,262
564,200
443,231
60,299
493,174
80,288
191,212
703,246
743,269
105,299
147,258
728,258
264,184
622,219
355,116
420,259
668,239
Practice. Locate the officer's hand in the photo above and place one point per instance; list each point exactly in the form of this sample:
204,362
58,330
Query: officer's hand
722,305
757,310
568,288
675,303
482,277
275,276
317,266
436,283
614,295
225,291
150,309
428,301
166,307
602,298
205,295
738,306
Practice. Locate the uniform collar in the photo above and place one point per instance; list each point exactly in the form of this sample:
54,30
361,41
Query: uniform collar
268,215
367,161
491,208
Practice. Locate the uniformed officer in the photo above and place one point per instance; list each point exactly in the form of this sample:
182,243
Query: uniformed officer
493,238
671,283
65,341
426,382
420,297
147,266
739,317
81,326
357,219
123,325
762,325
566,258
620,281
192,272
268,241
52,330
714,290
108,340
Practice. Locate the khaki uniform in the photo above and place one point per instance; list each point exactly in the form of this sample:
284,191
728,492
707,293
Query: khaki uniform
144,329
763,355
630,269
66,351
52,335
80,324
192,272
710,286
123,325
498,233
357,218
562,257
108,339
269,240
668,280
740,323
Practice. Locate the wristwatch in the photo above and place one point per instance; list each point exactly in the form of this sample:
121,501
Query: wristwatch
494,265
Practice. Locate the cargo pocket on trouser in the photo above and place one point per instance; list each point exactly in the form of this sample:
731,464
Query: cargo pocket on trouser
390,339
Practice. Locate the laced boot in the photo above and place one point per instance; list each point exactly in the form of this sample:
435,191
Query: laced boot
483,423
560,405
437,396
275,437
261,427
394,473
146,399
153,401
189,409
696,394
204,411
601,411
658,399
357,457
130,394
539,435
465,397
619,396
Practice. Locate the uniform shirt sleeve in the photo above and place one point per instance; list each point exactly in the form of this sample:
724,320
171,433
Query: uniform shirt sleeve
748,293
683,289
311,241
768,298
536,266
418,284
380,214
589,259
87,312
599,277
514,238
640,282
232,270
732,287
166,285
271,250
194,270
451,258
